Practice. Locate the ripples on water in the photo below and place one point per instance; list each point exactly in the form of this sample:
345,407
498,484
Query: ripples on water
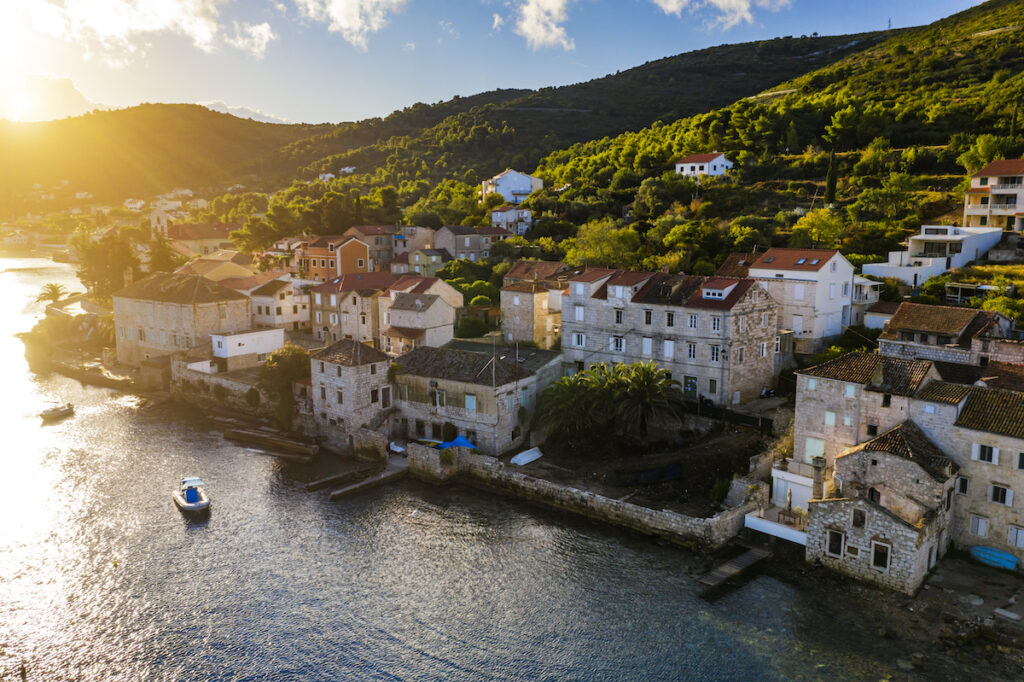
102,578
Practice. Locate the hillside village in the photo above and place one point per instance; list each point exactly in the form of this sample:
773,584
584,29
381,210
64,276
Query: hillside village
847,295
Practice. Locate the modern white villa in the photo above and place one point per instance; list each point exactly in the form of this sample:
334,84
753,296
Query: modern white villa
937,249
996,196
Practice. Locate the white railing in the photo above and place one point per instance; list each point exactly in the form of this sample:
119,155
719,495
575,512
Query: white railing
1007,185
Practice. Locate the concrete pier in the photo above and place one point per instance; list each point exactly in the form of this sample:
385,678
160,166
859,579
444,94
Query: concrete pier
396,469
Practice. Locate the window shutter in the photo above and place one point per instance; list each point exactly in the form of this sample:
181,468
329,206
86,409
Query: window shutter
974,451
611,343
995,455
1009,498
991,491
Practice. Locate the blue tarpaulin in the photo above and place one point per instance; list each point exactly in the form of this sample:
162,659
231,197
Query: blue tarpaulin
459,442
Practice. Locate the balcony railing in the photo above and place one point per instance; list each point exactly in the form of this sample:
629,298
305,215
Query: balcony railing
795,467
1007,185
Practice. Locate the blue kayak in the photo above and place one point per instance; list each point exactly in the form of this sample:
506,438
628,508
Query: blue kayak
997,558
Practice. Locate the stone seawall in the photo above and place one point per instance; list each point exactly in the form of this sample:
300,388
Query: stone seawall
462,465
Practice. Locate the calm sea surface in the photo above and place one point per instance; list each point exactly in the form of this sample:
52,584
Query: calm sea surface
102,578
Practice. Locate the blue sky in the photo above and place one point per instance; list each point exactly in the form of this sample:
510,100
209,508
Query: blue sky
336,60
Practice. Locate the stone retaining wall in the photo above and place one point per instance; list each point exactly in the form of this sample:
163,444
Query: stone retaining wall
705,533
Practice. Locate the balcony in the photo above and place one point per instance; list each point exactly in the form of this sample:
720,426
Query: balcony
1009,186
778,523
795,467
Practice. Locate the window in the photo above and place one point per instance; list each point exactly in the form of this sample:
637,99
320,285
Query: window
515,300
763,349
836,541
716,323
830,418
647,316
373,369
645,346
578,288
579,340
872,429
338,370
712,386
579,313
983,181
813,447
985,453
811,384
1020,460
714,353
693,321
1000,495
859,517
691,351
739,356
832,290
1016,536
962,483
886,400
846,289
618,344
470,403
374,395
330,263
669,349
670,319
321,368
618,317
339,397
798,292
880,556
323,392
979,525
834,264
278,310
847,421
851,391
929,408
439,398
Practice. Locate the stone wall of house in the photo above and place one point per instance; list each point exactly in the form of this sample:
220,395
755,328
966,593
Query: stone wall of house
199,388
1005,350
170,327
358,386
904,487
909,546
920,351
707,533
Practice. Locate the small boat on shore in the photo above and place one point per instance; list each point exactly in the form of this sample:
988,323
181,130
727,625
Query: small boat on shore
57,412
191,497
996,558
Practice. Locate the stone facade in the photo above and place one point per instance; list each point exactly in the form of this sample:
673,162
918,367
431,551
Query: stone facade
469,243
281,304
530,311
347,307
947,334
349,385
717,336
380,239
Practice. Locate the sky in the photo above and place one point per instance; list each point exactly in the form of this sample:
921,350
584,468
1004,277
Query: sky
341,60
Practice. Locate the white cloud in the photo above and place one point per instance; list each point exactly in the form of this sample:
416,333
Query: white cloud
730,12
242,112
499,21
449,28
409,47
252,38
355,20
541,23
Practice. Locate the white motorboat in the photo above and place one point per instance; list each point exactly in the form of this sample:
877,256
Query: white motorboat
191,497
57,412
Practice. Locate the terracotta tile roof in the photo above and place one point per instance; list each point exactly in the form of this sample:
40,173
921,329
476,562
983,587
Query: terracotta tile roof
737,265
957,373
323,241
1002,167
790,259
175,288
909,442
357,280
876,372
993,410
1004,375
401,258
404,333
413,284
443,253
271,288
535,269
884,307
350,353
688,291
629,278
372,229
525,287
699,158
460,365
412,301
943,392
946,320
466,230
592,275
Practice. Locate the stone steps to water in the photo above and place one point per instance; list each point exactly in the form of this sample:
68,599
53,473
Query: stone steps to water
735,567
396,469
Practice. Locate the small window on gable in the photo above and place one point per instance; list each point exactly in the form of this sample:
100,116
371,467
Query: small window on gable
858,518
886,400
811,384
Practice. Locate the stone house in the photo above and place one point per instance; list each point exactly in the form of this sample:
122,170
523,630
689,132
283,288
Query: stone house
463,242
349,385
282,304
488,399
220,265
399,264
415,320
408,238
886,520
347,307
814,289
201,238
381,242
717,336
426,262
512,218
168,312
531,311
512,185
948,334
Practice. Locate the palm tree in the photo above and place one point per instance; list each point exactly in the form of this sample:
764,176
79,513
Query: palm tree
572,412
646,398
51,292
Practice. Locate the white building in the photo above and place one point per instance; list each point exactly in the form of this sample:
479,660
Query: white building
996,196
814,289
282,304
695,165
512,185
512,218
134,204
937,249
249,348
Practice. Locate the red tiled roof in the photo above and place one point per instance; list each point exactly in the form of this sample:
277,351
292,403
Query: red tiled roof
1002,167
358,281
930,319
411,284
628,278
697,299
404,332
534,269
737,265
789,259
593,274
401,258
699,158
884,307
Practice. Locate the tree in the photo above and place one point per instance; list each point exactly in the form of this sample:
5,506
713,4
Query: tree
52,292
602,242
648,400
830,179
480,301
986,148
285,366
162,257
104,265
821,227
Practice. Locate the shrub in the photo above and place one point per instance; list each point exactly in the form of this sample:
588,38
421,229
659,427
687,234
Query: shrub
471,327
481,301
720,489
252,397
447,457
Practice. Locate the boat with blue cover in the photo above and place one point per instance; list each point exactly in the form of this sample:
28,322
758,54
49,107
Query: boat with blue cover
191,497
997,558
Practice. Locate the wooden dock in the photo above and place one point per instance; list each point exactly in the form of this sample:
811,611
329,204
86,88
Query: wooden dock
396,469
735,567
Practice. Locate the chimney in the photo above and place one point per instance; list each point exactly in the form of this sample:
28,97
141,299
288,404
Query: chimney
818,488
